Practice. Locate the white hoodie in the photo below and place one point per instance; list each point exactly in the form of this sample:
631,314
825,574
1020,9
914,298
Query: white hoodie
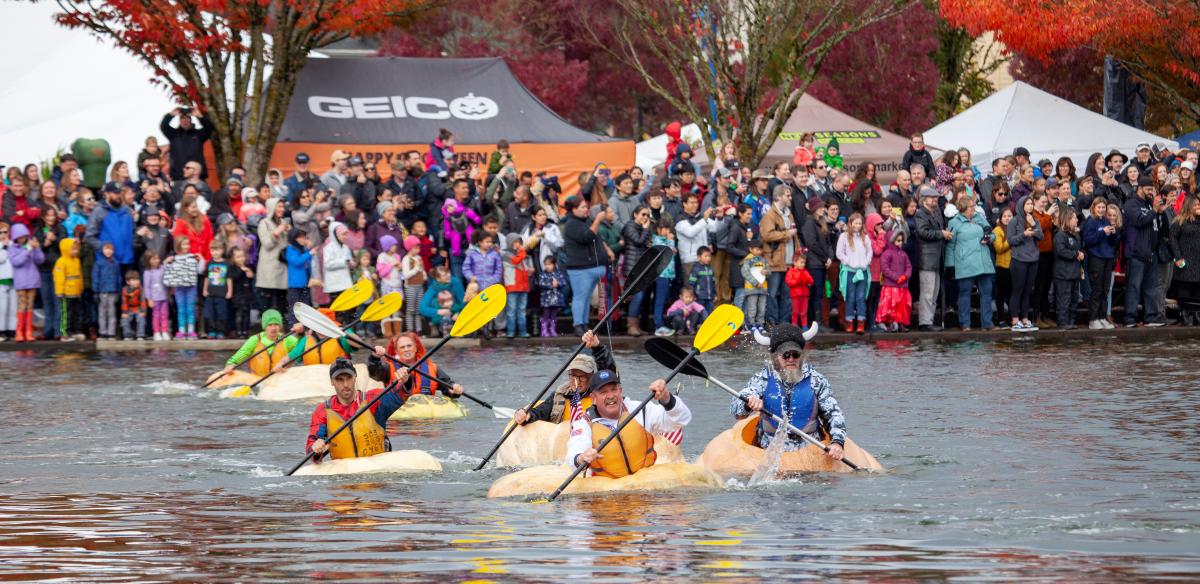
336,259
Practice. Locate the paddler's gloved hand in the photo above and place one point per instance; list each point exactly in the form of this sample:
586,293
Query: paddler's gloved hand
754,403
377,369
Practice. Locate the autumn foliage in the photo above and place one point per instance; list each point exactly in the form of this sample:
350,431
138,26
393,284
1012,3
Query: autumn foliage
1157,40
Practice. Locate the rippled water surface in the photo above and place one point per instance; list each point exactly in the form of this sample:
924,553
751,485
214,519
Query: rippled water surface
1073,461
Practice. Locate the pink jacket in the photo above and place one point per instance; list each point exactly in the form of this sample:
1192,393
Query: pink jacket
877,243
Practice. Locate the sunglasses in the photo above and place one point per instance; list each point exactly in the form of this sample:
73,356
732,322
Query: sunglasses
792,355
820,168
3,233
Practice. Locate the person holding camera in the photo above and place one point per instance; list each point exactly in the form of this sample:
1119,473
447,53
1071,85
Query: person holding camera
187,141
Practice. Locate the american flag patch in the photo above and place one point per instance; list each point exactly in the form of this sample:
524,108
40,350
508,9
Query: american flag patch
576,411
674,436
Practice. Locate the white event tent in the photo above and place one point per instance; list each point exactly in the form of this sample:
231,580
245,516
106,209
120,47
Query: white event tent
1048,126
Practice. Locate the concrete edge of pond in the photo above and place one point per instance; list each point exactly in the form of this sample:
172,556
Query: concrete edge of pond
827,339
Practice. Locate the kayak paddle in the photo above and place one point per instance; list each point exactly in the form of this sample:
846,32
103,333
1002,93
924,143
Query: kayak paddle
669,354
380,309
323,325
724,321
353,296
482,309
647,268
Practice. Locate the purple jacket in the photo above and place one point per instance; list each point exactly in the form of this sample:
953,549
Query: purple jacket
152,284
894,264
486,269
25,261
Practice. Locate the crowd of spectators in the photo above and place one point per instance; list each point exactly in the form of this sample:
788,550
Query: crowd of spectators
153,251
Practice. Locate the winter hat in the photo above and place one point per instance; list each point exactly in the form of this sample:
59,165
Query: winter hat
386,243
225,218
270,317
1145,181
411,242
233,178
815,203
833,143
787,336
382,206
249,193
682,149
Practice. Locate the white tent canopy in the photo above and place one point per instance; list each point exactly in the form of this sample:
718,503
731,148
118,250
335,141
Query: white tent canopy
1048,126
653,152
63,84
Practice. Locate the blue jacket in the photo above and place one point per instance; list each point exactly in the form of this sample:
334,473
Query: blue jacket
1098,244
703,281
106,275
299,266
429,302
113,226
1140,233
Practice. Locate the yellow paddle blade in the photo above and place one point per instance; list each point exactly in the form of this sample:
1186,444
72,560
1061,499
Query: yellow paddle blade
351,297
241,391
482,309
382,308
725,320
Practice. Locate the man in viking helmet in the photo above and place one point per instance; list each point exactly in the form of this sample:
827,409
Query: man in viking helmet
792,389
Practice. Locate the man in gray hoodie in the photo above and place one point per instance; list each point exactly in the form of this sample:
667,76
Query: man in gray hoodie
932,236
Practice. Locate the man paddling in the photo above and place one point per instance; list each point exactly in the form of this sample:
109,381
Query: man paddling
272,336
407,347
579,373
791,388
633,449
366,437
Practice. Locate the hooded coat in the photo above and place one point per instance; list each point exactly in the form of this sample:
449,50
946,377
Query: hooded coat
68,271
894,263
1024,249
271,271
25,260
337,260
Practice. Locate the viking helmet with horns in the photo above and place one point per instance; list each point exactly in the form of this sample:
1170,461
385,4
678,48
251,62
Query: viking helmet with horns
786,333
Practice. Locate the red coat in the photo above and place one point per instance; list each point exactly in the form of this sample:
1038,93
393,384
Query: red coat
199,240
799,282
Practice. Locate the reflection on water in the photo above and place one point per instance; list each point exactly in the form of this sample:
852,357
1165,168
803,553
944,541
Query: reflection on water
1010,460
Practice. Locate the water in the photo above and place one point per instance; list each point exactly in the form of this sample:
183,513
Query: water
1072,461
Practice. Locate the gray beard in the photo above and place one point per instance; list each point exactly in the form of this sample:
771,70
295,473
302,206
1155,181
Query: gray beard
789,376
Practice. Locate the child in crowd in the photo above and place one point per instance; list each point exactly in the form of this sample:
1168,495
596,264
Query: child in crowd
387,267
799,283
68,287
427,250
180,271
413,275
1068,258
833,155
552,284
483,267
299,271
8,294
133,307
106,285
445,301
703,279
754,270
24,255
665,236
854,251
156,294
517,270
686,314
1003,253
252,210
803,155
217,292
241,285
364,269
895,299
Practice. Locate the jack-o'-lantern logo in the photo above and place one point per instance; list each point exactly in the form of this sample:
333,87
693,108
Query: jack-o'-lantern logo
472,107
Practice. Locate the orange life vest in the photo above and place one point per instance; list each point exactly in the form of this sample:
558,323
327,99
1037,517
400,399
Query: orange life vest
364,437
262,363
330,350
631,451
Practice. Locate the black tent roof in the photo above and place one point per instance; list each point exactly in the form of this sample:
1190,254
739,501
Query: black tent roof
400,100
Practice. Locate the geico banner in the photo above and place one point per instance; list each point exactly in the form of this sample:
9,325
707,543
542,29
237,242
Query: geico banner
469,107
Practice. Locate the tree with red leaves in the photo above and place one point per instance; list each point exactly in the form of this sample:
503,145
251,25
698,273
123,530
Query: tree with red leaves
236,62
1156,40
752,58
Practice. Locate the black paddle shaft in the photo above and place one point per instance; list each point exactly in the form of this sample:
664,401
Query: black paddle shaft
367,407
579,468
651,261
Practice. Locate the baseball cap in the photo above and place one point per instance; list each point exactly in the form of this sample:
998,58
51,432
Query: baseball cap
1051,183
1142,146
110,187
302,158
341,366
928,191
1021,151
582,363
602,378
356,161
1145,181
338,155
